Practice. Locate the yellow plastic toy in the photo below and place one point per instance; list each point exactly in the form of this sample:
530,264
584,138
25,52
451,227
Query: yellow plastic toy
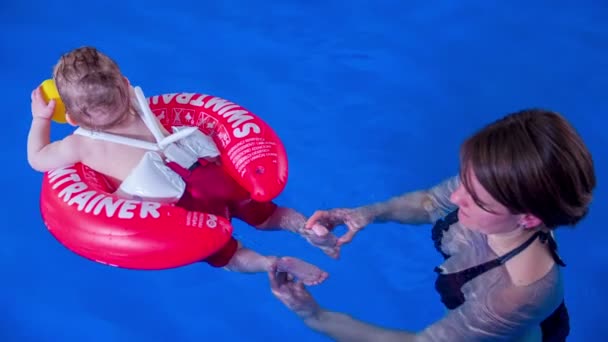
49,91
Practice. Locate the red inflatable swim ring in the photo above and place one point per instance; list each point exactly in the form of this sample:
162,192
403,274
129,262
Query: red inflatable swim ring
80,210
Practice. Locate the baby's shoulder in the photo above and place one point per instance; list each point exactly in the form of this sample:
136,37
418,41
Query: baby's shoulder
84,145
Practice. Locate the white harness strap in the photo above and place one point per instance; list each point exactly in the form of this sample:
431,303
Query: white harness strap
119,139
152,179
172,151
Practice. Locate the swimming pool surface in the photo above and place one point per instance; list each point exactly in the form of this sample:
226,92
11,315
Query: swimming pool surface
371,99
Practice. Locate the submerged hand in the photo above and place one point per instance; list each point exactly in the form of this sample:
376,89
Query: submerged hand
324,240
293,294
324,221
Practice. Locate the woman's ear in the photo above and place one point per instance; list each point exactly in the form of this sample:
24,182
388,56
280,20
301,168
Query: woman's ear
529,221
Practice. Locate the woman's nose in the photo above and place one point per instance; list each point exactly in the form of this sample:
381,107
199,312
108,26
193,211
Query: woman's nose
459,196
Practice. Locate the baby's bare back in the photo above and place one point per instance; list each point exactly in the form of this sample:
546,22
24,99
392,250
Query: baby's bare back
114,160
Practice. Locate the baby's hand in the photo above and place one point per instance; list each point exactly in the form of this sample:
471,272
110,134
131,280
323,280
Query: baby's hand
41,109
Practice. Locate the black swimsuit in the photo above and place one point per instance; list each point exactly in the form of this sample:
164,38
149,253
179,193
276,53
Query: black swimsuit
554,328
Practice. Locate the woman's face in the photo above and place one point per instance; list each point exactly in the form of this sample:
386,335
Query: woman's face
488,217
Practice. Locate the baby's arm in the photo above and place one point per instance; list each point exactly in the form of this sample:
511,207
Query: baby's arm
283,219
43,155
291,220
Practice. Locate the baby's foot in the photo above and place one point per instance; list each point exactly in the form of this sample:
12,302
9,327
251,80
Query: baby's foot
309,274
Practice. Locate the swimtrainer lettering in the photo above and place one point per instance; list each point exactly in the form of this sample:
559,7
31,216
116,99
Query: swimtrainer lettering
76,192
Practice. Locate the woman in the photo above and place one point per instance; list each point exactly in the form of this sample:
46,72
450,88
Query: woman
521,178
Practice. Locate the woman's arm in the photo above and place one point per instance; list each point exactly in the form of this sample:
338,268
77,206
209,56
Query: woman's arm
336,325
415,208
418,207
410,208
344,328
501,314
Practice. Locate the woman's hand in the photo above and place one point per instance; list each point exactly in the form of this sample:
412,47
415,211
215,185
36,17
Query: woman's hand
324,221
293,294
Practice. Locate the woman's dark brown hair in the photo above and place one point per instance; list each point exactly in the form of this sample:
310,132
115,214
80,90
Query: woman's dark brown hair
532,161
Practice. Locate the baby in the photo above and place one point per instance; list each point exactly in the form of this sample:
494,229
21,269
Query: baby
99,100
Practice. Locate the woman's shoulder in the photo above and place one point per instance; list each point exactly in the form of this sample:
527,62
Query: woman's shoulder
531,294
533,265
439,204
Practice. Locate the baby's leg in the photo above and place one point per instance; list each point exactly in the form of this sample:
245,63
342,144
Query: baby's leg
309,274
247,261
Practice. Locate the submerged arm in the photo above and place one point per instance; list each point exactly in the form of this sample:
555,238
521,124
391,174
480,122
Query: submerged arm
418,207
409,208
344,328
291,220
284,218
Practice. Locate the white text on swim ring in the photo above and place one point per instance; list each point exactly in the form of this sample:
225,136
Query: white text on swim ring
77,193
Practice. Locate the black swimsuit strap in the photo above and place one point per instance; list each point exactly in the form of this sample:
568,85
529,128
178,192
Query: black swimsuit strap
520,248
547,237
443,225
544,237
472,272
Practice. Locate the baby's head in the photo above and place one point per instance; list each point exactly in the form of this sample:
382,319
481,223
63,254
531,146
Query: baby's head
94,91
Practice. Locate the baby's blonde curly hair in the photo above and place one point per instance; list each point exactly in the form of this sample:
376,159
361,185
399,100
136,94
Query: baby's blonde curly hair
92,87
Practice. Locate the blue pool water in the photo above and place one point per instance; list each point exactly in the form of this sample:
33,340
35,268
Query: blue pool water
371,99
